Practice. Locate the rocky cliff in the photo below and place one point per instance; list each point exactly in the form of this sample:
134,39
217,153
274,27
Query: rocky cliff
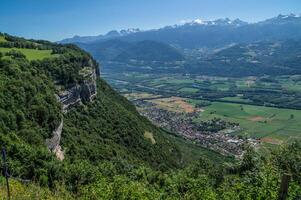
80,93
53,143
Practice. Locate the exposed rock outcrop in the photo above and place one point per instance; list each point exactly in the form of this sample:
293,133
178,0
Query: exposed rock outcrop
80,93
53,143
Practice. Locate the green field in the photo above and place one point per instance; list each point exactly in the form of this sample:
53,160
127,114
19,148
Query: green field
257,121
2,39
31,54
236,99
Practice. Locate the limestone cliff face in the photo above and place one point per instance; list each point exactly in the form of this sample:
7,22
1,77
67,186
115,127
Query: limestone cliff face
80,93
53,143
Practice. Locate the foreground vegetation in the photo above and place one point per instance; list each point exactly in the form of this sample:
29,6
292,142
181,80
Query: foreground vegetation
254,177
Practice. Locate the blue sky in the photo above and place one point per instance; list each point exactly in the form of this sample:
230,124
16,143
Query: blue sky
58,19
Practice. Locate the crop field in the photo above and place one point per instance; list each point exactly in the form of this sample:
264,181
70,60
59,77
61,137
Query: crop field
174,104
31,54
272,125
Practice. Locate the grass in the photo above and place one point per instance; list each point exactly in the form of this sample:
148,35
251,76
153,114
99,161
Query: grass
31,191
150,137
258,121
2,39
236,99
31,54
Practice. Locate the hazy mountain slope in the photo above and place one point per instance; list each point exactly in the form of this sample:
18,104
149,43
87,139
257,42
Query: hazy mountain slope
246,59
272,58
121,51
106,50
150,51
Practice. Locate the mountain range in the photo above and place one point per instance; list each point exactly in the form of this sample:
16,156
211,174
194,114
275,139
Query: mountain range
222,47
200,34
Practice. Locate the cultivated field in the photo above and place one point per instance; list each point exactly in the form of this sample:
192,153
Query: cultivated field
174,104
273,125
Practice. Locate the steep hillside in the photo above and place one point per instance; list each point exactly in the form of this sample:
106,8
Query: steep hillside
110,128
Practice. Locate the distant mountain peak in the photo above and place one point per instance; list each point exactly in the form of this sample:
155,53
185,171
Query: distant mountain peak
123,32
113,33
218,22
129,31
199,21
292,15
282,19
180,33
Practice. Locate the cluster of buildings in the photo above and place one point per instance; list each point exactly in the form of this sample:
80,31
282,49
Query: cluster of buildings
221,141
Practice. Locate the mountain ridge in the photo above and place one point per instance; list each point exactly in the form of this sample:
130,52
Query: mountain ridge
224,29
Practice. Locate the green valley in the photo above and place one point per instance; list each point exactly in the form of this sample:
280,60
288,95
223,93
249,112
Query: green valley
266,108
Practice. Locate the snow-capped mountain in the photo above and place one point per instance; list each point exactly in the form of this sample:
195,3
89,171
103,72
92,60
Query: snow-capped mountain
200,33
218,22
123,32
283,19
110,35
129,31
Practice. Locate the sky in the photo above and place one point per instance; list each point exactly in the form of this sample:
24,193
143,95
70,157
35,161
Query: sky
58,19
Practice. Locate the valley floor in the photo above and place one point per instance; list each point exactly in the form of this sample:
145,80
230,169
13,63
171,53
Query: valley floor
191,106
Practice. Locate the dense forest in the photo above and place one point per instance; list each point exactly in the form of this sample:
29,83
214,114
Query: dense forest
108,154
